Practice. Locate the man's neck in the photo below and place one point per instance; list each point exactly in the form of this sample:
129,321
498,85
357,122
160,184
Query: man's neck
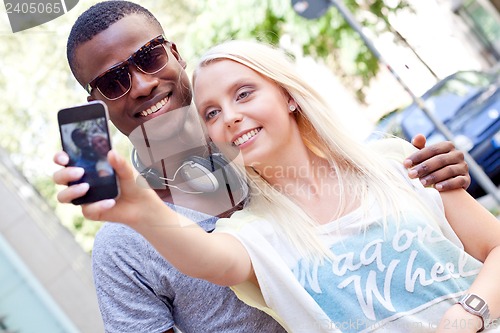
164,194
168,136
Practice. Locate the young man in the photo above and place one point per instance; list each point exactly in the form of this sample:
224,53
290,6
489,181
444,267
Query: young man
138,291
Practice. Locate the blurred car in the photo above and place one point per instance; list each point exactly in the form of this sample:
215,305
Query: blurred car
468,104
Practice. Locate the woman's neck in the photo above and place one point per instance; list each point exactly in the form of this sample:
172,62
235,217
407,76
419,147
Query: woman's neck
298,171
312,183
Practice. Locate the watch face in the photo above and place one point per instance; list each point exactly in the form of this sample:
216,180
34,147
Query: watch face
475,302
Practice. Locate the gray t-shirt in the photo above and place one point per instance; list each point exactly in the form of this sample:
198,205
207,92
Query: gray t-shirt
140,292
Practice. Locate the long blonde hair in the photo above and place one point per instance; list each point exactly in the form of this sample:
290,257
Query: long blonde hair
358,169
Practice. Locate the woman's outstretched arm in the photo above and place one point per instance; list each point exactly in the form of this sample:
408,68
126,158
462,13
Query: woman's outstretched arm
216,257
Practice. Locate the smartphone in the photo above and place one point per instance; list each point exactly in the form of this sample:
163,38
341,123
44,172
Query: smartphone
85,138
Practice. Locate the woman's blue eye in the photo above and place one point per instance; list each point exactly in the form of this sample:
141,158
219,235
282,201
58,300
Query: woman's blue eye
243,95
210,114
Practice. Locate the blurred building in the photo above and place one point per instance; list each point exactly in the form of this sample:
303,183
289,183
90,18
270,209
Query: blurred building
435,40
482,19
45,276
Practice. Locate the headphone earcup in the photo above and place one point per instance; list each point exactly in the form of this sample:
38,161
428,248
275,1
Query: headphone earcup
230,175
234,182
198,173
152,176
208,177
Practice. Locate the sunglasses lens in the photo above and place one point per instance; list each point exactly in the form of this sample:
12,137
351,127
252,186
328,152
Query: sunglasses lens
151,59
115,83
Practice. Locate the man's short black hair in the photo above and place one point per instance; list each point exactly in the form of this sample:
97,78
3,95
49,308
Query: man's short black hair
79,138
97,19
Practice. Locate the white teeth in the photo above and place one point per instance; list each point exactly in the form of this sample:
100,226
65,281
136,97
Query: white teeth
154,108
245,137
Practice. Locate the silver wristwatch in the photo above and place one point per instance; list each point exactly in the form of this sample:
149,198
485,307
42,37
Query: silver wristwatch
477,306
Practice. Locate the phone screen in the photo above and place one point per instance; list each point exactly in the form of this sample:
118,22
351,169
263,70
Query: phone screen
85,138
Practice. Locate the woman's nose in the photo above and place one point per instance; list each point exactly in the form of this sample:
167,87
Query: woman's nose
232,116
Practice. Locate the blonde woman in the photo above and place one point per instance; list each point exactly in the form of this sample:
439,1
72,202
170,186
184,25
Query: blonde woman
333,237
100,145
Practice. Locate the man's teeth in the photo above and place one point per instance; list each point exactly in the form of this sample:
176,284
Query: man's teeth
245,137
154,108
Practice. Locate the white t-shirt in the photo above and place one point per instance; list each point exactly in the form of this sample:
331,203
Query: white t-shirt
103,165
398,279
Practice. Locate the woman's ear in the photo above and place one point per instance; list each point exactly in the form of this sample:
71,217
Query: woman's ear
177,55
292,105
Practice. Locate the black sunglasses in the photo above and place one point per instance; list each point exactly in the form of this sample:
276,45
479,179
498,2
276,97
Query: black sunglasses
116,82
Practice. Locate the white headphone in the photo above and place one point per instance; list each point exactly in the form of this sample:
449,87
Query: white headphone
200,174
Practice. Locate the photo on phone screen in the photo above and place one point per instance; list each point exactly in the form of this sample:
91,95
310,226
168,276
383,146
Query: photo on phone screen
85,138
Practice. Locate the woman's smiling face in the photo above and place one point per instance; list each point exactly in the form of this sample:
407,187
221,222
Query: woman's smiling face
242,108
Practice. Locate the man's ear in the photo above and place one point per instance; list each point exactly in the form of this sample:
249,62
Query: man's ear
177,55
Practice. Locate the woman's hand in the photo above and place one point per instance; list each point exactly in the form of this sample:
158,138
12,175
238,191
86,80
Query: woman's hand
135,201
66,175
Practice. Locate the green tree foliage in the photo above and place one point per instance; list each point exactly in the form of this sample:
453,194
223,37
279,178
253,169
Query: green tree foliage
328,38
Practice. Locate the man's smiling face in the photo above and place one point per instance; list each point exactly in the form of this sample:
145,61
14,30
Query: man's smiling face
150,95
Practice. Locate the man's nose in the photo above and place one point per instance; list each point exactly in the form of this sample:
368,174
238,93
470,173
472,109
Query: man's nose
142,84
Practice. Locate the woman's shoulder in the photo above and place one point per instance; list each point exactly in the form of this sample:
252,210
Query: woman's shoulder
243,221
393,148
